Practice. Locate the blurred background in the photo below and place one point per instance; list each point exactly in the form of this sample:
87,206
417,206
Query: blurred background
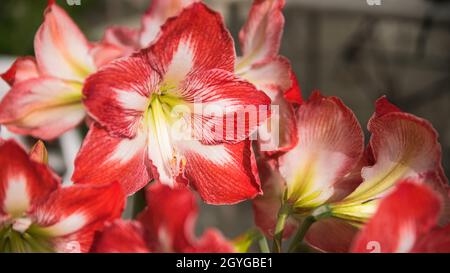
345,48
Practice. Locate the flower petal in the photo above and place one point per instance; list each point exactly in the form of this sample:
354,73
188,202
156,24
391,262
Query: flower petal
403,146
222,174
331,235
437,241
261,35
330,145
194,40
23,182
405,215
224,100
104,159
282,123
103,53
272,76
42,107
61,48
73,214
122,37
169,218
156,15
212,241
121,236
22,69
119,94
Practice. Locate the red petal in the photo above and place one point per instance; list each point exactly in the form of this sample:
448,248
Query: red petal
294,94
272,76
169,218
222,174
23,182
73,214
43,107
118,95
231,99
403,145
331,235
156,15
122,37
212,241
283,136
121,236
402,217
169,221
437,241
194,40
330,145
104,159
261,35
61,48
103,53
22,69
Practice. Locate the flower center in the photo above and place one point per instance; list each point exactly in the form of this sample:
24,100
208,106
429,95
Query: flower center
20,236
167,120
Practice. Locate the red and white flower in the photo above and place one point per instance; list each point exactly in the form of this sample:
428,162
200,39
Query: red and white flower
166,225
406,221
37,215
45,96
140,133
328,172
261,64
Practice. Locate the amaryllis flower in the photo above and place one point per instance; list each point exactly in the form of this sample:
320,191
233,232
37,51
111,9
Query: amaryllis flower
148,123
37,215
45,96
129,40
261,64
406,221
330,177
166,225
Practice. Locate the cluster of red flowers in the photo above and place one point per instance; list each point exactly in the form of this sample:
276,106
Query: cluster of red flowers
317,179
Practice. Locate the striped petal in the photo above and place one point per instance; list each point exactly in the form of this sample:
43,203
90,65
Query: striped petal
194,40
42,107
402,145
222,174
156,15
231,108
61,48
22,69
330,145
105,159
119,94
261,35
73,214
24,183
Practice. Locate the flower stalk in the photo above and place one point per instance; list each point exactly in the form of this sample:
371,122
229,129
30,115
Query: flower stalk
283,215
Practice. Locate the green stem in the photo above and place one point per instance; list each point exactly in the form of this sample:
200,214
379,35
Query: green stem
283,214
296,244
263,245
